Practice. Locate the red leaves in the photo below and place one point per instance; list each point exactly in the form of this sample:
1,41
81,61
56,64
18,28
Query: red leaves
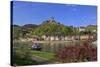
77,53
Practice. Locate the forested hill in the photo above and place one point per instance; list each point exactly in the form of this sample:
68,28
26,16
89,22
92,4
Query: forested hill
26,26
52,28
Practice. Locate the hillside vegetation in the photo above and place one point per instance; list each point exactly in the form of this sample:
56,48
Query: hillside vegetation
49,28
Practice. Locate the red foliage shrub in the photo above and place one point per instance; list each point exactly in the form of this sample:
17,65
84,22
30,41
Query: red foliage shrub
77,53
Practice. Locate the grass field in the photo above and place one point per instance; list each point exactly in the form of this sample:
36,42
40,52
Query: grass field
44,55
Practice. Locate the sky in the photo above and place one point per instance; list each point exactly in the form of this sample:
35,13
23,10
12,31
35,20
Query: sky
67,14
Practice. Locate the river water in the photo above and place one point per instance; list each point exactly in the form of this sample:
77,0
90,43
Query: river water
48,47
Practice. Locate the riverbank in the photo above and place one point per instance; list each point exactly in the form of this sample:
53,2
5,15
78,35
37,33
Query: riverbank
49,41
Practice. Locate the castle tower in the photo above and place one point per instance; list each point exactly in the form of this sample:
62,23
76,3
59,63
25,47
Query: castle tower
51,19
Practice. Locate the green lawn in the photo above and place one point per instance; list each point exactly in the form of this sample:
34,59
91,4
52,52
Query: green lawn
44,55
